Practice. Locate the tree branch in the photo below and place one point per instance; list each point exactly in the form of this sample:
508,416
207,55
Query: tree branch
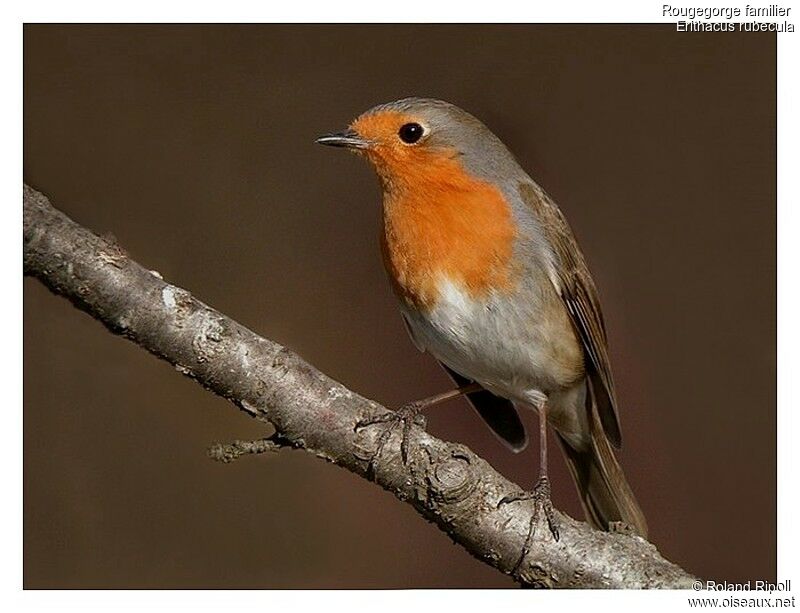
445,482
228,452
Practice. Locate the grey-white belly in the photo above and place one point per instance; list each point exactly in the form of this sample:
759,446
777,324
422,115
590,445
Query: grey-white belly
519,346
509,343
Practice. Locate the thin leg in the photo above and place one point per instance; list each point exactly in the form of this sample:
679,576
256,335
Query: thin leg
406,415
542,487
420,405
540,493
543,442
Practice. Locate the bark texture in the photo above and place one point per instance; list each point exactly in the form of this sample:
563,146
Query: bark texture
445,482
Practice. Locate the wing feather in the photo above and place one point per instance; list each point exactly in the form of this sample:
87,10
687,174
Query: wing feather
574,283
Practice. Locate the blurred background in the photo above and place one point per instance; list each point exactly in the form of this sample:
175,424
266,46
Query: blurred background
193,145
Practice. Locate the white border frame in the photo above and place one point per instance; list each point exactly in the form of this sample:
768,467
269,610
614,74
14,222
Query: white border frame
14,599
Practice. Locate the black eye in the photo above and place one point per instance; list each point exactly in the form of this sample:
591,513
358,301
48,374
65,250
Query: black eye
411,132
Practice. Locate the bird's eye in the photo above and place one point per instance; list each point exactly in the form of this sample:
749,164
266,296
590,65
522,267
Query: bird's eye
410,133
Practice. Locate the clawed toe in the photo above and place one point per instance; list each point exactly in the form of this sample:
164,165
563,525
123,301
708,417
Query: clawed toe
407,415
540,494
514,498
371,421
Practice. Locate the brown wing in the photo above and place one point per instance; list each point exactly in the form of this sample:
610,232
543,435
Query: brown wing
577,289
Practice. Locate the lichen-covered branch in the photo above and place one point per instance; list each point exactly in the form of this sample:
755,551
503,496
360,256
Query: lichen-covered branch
445,482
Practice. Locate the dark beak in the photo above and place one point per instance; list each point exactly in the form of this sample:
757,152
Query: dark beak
348,138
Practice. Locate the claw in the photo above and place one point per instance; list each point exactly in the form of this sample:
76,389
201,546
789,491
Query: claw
542,503
371,421
513,498
408,415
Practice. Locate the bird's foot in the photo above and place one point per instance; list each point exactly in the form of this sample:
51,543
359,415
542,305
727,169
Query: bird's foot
540,494
406,416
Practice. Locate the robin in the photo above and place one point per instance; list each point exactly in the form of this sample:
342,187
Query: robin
491,282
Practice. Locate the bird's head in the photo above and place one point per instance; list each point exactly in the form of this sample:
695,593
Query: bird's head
415,140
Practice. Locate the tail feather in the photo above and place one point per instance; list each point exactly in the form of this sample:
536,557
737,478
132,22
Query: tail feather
604,492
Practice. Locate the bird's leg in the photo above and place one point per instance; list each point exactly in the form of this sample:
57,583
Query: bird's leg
540,493
407,416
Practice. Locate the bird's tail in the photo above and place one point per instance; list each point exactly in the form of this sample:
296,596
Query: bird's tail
604,492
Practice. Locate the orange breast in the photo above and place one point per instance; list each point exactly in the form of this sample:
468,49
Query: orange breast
441,223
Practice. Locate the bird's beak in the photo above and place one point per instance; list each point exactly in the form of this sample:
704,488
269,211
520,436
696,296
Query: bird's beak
348,138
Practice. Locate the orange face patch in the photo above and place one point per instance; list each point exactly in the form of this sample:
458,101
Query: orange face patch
439,221
387,152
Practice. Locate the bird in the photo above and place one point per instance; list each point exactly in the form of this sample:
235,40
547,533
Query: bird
491,282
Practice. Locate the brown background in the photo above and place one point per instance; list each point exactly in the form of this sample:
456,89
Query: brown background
194,146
